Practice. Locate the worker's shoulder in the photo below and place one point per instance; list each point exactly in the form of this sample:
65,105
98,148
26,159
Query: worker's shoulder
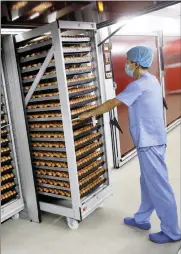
133,85
149,78
147,81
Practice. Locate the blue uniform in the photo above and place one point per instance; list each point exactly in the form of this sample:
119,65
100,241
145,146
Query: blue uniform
144,99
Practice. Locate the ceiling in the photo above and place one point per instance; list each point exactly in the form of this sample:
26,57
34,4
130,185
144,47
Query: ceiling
31,14
36,13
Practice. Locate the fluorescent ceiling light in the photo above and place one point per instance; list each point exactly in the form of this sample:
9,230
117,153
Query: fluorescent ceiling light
13,30
175,6
149,23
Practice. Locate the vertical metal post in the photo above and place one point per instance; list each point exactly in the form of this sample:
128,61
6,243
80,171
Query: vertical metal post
20,133
108,91
161,67
66,118
106,119
115,114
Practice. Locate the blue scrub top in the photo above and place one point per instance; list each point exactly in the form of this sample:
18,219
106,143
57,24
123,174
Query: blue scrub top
146,116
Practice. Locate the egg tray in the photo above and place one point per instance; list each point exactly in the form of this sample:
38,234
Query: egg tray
50,119
81,82
83,134
63,149
8,163
46,129
4,143
76,50
82,124
88,142
5,162
6,153
7,171
32,58
65,159
8,189
54,195
52,87
3,135
2,114
91,181
45,119
53,76
50,159
72,106
8,180
43,109
30,80
92,190
71,95
53,149
83,71
75,39
82,103
5,201
91,171
78,61
88,152
53,186
48,139
82,93
36,68
90,161
50,98
43,44
77,114
3,124
51,168
53,177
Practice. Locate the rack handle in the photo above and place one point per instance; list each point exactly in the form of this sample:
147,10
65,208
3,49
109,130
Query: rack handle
165,103
115,123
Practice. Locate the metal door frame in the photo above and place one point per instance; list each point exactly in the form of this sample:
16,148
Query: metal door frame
114,159
162,77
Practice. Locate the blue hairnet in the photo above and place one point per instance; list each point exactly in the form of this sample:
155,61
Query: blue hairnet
142,55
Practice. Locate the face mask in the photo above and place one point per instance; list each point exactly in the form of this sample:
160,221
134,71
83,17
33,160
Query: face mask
128,71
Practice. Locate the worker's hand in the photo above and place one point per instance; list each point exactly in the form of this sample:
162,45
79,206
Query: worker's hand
85,115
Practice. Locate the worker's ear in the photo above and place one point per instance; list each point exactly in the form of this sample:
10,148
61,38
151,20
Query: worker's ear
137,64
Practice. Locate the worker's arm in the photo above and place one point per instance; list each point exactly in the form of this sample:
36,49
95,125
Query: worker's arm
105,107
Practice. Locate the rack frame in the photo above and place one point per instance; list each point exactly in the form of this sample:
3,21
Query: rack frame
80,207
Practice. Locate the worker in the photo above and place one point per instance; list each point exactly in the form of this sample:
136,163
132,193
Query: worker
144,99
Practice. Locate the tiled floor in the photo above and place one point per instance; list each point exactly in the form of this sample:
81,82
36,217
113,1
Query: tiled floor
103,231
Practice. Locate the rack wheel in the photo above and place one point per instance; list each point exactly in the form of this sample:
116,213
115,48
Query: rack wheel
101,205
118,165
72,223
16,216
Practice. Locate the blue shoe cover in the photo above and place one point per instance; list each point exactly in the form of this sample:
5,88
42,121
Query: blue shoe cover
160,238
131,222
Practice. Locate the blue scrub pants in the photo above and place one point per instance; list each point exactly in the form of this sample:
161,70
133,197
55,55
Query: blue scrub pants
156,192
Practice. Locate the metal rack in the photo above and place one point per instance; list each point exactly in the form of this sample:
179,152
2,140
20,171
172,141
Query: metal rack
11,195
59,78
